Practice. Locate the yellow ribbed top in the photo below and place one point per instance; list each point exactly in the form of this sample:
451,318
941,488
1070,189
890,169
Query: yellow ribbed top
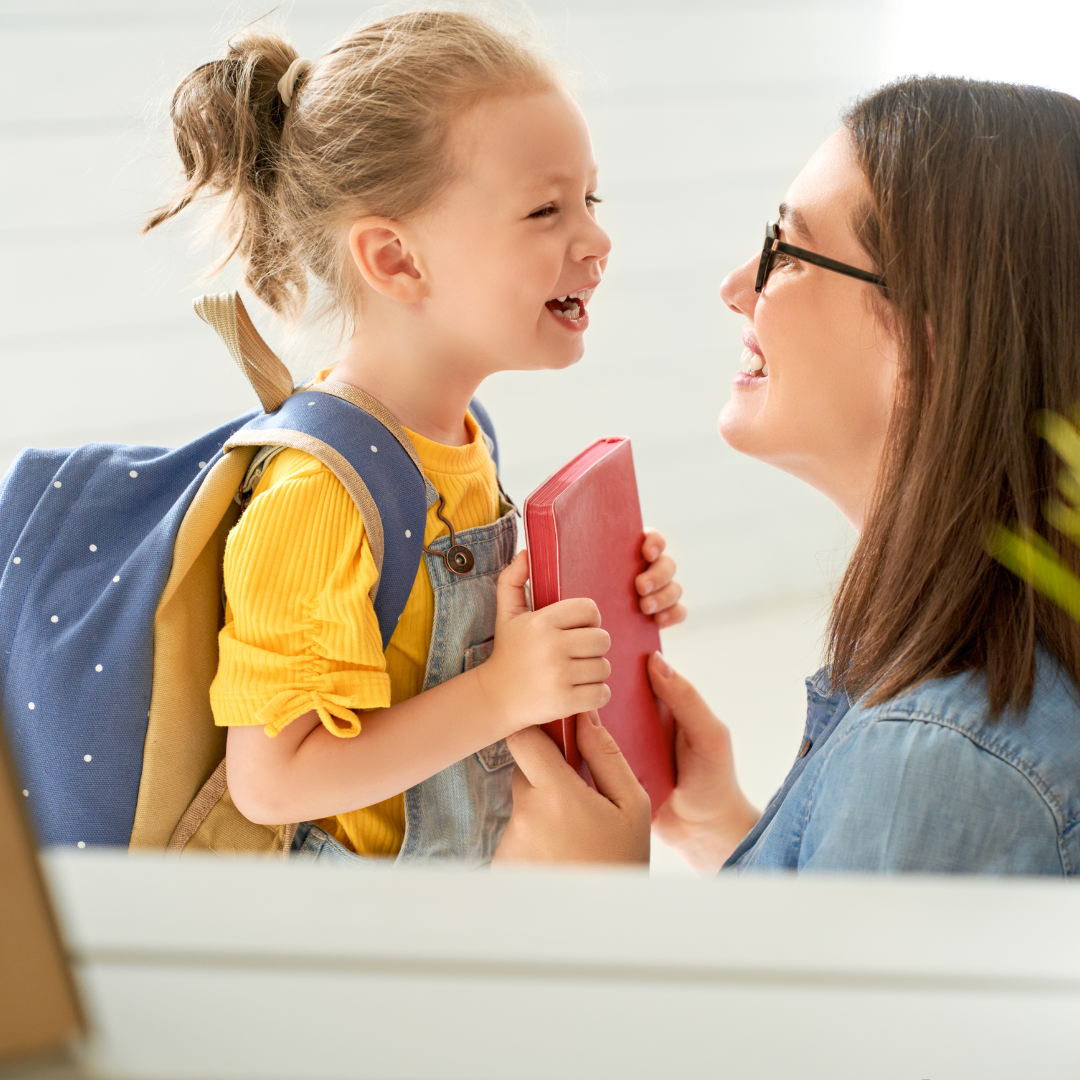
300,630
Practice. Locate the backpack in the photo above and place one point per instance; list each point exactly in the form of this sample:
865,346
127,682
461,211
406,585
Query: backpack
111,600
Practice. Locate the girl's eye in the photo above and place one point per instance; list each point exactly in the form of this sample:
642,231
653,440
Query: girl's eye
544,211
593,200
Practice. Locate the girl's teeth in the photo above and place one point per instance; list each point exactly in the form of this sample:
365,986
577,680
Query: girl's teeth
572,313
764,369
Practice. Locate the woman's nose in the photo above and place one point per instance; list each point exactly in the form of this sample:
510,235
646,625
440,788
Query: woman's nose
737,289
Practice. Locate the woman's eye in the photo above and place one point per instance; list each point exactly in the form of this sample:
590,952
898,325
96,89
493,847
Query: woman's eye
544,211
782,259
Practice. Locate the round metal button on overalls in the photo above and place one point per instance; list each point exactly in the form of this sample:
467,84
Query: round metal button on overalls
460,559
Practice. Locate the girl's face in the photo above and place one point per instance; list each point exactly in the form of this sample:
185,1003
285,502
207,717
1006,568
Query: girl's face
515,233
822,410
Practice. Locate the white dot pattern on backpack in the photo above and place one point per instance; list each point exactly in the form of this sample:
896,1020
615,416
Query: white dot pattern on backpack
31,706
93,547
408,533
56,483
202,464
374,449
133,474
80,845
88,758
116,579
26,794
55,618
97,667
16,560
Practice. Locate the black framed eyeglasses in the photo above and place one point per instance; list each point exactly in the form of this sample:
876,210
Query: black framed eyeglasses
775,246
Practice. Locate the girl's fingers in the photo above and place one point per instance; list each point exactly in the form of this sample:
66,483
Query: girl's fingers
593,670
587,642
666,597
656,576
573,614
594,695
672,616
510,595
652,545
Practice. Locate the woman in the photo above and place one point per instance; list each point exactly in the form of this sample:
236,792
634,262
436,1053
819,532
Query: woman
917,305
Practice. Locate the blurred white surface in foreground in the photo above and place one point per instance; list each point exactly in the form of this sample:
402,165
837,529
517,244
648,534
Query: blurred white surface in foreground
255,970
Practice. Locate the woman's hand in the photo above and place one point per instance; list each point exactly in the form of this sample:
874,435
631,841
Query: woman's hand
558,818
707,814
656,585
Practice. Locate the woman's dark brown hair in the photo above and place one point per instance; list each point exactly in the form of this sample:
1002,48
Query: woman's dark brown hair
975,223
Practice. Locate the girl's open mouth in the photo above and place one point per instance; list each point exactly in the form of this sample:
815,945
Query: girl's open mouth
570,309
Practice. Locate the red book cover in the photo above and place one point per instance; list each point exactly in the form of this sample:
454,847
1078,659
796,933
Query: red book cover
584,534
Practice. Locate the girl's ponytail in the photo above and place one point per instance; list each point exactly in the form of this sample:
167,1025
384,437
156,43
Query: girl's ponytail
366,132
227,119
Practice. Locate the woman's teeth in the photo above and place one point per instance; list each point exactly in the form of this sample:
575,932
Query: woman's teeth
571,305
752,363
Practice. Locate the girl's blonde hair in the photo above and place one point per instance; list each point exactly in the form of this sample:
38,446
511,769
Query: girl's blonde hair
366,133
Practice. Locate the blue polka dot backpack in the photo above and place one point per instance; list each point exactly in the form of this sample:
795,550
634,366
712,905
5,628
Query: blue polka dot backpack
111,601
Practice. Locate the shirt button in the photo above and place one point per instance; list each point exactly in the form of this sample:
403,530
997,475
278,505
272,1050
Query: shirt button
806,747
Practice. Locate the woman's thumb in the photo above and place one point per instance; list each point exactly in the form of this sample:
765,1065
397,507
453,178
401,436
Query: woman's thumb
691,712
611,772
510,596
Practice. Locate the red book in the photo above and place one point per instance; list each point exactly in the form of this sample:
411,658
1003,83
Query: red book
584,534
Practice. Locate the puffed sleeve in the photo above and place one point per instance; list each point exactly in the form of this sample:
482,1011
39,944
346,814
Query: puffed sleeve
918,796
300,631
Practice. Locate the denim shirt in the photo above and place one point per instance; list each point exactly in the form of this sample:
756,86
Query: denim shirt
925,782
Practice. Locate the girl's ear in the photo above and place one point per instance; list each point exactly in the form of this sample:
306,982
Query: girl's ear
383,255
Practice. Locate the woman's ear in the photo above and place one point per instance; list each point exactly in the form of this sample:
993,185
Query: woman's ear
381,249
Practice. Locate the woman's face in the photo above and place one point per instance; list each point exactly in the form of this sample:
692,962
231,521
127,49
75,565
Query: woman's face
822,409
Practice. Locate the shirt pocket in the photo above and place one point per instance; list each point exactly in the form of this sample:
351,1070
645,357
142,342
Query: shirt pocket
497,755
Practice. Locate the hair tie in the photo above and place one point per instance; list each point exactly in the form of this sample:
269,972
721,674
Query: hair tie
287,82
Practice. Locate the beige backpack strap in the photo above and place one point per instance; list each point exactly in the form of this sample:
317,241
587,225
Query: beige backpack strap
226,314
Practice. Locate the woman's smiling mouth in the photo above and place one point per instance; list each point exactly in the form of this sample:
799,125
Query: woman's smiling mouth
752,361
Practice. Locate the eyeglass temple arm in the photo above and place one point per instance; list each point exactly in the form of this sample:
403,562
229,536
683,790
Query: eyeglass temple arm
827,263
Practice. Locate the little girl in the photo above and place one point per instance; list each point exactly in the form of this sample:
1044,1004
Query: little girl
435,179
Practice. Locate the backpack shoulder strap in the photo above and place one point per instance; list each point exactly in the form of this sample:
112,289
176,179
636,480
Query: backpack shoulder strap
379,469
226,315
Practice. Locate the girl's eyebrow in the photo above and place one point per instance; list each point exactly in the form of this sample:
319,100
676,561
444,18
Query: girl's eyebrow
561,178
794,216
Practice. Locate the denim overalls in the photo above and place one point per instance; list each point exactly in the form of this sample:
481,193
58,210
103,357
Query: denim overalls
459,813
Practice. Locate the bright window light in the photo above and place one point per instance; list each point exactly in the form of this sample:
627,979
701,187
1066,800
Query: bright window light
1034,42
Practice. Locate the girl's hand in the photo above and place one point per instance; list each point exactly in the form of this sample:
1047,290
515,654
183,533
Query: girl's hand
557,817
707,814
657,587
544,663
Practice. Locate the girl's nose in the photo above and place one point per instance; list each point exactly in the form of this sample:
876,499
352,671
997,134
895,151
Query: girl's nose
737,289
592,243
